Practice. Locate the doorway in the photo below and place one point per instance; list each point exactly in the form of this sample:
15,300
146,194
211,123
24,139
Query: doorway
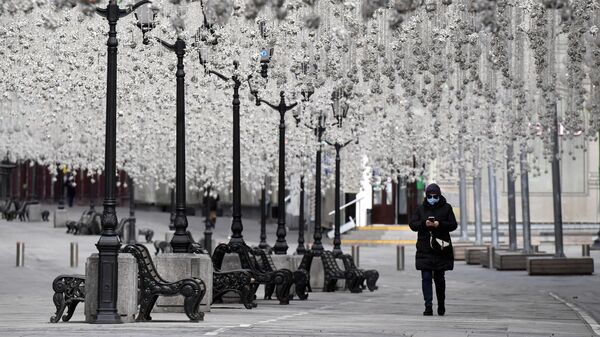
384,202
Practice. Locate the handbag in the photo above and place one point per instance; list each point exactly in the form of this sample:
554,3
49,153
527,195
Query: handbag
438,244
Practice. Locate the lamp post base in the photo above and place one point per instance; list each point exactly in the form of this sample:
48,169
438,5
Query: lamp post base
265,246
107,318
317,249
127,301
181,242
337,252
280,247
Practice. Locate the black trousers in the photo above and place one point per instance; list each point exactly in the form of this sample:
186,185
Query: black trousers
438,276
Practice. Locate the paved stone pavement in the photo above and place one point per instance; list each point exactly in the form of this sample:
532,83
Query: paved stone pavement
480,302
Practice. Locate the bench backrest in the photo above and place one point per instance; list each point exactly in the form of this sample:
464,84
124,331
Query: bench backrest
85,217
146,267
348,261
5,205
247,258
265,262
22,207
218,255
10,204
329,260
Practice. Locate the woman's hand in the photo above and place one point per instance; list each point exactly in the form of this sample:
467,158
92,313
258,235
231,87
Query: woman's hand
432,224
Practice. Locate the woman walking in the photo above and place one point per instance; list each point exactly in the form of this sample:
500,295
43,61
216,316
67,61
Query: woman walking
434,220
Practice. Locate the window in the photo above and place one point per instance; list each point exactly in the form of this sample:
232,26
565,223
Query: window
377,197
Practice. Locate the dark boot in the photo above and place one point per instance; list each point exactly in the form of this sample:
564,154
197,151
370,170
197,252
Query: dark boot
441,309
428,311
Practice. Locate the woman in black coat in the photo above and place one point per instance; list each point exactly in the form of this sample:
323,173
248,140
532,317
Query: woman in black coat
434,220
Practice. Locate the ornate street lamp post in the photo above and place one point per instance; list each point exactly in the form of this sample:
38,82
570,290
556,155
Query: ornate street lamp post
109,243
172,210
281,245
208,225
182,239
92,196
34,185
236,222
132,237
337,249
340,110
317,247
207,230
301,249
263,221
61,184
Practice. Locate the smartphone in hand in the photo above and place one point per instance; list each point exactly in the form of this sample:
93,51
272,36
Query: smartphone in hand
431,218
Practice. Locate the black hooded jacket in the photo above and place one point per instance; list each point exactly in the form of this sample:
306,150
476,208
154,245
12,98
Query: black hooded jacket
428,257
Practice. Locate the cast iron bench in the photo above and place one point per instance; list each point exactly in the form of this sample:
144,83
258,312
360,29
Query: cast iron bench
20,211
69,290
333,272
238,281
300,276
8,207
5,206
369,275
151,285
88,224
279,279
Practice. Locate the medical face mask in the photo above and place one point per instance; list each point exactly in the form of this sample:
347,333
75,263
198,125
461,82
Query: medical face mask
433,199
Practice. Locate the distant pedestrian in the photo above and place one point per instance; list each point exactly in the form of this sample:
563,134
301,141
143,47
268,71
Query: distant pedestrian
213,205
434,220
71,188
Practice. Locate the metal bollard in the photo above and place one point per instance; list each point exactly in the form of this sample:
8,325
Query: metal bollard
74,254
356,255
20,254
585,250
399,257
